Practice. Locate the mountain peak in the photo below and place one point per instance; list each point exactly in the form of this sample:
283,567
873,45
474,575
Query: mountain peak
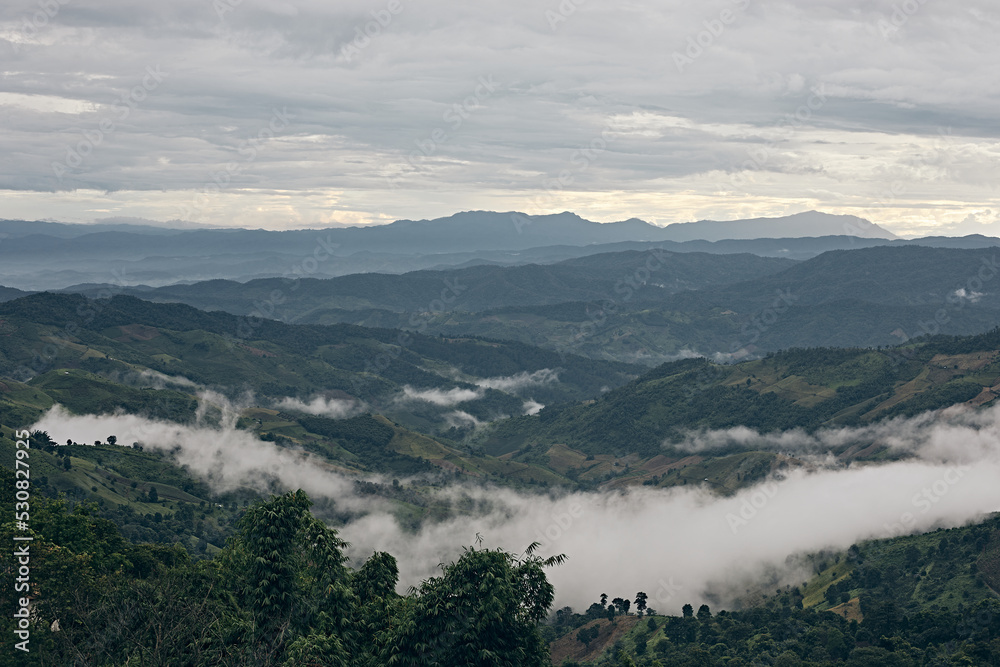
799,225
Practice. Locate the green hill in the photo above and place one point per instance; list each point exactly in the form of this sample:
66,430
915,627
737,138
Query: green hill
800,388
925,599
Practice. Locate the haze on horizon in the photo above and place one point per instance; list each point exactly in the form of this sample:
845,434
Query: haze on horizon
279,114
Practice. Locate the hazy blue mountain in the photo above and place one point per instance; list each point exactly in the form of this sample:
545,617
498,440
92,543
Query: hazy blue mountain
18,228
607,306
809,223
642,276
9,293
44,255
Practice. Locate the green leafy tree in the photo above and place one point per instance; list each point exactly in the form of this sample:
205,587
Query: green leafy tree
483,610
640,602
587,635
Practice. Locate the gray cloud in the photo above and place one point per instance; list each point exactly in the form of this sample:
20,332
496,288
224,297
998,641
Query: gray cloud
350,153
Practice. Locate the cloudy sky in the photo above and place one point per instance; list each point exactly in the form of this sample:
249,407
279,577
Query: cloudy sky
278,114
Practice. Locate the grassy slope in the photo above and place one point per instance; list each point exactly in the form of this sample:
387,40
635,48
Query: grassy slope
795,389
959,576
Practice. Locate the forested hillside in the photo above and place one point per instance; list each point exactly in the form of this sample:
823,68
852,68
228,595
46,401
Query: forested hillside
279,593
907,601
800,388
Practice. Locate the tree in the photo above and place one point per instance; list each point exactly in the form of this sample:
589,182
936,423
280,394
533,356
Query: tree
587,635
704,613
41,440
154,497
640,602
604,599
484,609
687,610
112,440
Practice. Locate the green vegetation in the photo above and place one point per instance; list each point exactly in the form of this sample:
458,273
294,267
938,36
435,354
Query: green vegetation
807,389
278,593
907,601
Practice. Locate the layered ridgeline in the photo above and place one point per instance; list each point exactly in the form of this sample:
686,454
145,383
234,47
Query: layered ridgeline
649,307
652,425
94,357
645,277
654,430
44,255
388,401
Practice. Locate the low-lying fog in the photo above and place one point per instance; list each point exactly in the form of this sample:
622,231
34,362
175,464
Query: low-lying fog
680,546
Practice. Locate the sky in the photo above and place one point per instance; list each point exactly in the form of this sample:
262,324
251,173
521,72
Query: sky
274,114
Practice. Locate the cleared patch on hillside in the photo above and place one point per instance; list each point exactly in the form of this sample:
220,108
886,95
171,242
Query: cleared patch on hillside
568,647
851,610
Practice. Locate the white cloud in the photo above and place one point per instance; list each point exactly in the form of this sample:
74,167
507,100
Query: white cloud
532,407
515,383
971,296
461,419
680,546
440,397
322,406
223,456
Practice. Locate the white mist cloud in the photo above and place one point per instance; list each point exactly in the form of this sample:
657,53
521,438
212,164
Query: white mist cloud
972,296
519,381
223,456
958,433
688,545
441,397
682,545
532,407
160,380
335,408
461,419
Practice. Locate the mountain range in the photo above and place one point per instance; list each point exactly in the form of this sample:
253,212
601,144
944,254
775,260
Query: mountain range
47,255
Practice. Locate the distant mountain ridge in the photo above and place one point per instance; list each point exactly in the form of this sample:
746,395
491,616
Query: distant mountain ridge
45,255
807,224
